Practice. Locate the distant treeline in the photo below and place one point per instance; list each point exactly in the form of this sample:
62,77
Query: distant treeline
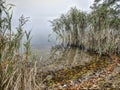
98,30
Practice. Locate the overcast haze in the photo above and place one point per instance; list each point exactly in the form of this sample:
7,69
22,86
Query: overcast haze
41,11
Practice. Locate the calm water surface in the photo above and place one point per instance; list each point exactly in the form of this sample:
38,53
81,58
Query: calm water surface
55,59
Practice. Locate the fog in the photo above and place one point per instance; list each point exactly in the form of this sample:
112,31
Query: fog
40,12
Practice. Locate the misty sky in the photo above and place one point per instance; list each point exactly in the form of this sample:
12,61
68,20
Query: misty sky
41,11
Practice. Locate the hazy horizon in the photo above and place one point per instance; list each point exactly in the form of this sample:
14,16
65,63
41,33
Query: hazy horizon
40,12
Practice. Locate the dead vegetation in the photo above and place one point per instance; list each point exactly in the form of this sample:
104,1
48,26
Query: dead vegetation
99,31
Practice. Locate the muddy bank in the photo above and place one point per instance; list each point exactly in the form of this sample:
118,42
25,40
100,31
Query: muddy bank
73,66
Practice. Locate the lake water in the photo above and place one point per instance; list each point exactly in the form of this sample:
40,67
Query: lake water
55,59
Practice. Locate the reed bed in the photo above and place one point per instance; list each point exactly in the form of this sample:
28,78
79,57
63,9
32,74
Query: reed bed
17,69
97,31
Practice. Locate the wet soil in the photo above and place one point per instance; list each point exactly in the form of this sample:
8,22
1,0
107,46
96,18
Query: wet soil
73,69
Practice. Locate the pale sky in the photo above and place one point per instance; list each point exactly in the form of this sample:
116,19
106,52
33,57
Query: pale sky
41,11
